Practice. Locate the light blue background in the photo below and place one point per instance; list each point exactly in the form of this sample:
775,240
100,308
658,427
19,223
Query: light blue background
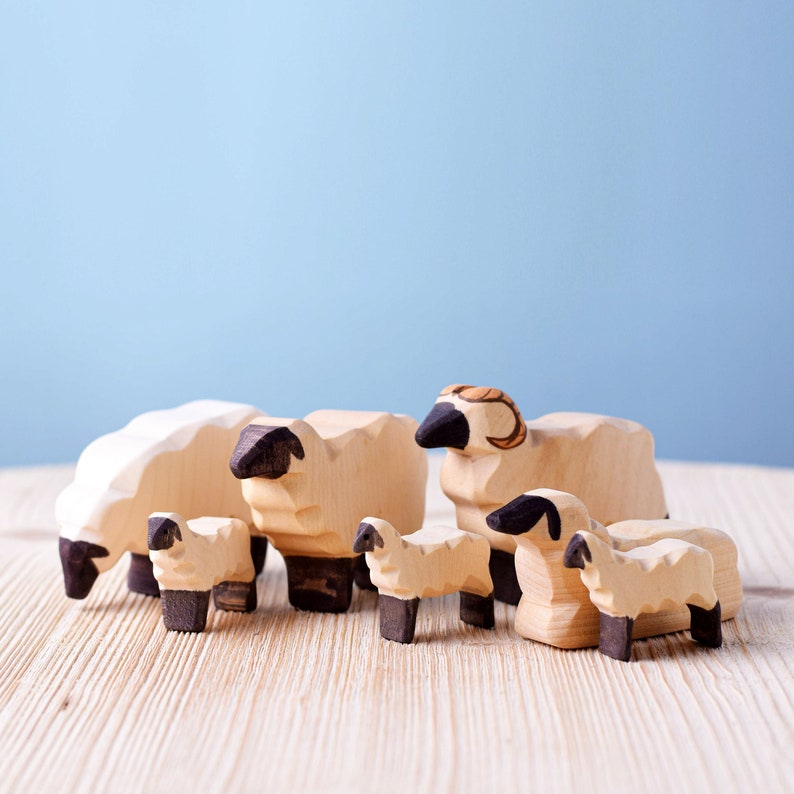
589,205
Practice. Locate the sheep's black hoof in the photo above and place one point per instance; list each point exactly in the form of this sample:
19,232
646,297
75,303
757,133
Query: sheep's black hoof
398,618
361,574
258,552
235,596
320,584
185,610
615,638
503,572
706,625
140,578
477,610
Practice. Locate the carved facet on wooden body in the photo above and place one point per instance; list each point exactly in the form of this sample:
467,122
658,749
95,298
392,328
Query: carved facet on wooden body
174,459
430,562
309,481
493,455
555,607
191,559
646,579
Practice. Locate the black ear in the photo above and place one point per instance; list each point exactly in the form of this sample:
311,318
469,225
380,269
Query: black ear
264,451
163,531
577,553
523,513
444,426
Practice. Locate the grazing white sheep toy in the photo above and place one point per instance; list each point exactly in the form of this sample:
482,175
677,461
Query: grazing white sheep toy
430,562
555,607
193,558
309,482
176,459
493,454
622,585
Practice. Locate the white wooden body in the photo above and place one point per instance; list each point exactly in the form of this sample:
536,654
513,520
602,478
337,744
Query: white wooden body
176,459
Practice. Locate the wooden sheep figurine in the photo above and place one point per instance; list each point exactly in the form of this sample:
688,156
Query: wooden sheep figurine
308,483
555,607
493,454
430,562
176,459
624,584
193,558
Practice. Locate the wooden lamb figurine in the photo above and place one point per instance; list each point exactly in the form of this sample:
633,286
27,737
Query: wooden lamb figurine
308,483
430,562
646,579
493,454
555,607
176,459
193,558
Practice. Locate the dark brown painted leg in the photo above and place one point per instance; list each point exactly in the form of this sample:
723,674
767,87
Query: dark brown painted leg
503,572
235,596
361,574
258,552
706,625
320,584
140,578
615,638
477,610
185,610
398,618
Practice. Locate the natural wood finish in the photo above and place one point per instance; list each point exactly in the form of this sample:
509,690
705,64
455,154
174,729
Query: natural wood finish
555,606
607,462
96,695
175,459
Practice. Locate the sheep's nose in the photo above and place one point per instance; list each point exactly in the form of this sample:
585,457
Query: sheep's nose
444,426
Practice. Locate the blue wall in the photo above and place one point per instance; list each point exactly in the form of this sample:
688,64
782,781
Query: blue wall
590,206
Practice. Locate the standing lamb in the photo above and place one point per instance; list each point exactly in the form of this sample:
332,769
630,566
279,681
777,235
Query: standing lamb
175,459
431,562
308,483
646,579
555,607
190,559
493,454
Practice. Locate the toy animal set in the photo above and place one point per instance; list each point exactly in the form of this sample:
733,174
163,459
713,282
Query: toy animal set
564,516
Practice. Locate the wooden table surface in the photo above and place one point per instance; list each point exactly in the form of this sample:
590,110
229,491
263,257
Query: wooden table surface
96,696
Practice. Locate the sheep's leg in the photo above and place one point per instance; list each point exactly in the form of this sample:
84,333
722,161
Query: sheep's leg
185,610
320,584
706,625
477,610
140,578
235,596
361,574
503,572
615,637
398,618
258,552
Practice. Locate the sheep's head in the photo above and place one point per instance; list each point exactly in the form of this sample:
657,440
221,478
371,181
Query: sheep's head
367,538
163,531
479,420
265,451
577,553
79,569
523,513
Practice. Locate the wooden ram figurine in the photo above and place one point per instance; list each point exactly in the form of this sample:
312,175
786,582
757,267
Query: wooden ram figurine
493,454
623,584
430,562
193,558
176,459
555,607
308,483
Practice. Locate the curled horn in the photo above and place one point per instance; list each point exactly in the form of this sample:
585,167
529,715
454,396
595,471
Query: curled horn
483,394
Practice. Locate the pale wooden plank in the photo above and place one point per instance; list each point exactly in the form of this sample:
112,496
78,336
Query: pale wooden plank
96,695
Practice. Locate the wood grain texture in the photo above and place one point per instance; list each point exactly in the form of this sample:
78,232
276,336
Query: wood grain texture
97,695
